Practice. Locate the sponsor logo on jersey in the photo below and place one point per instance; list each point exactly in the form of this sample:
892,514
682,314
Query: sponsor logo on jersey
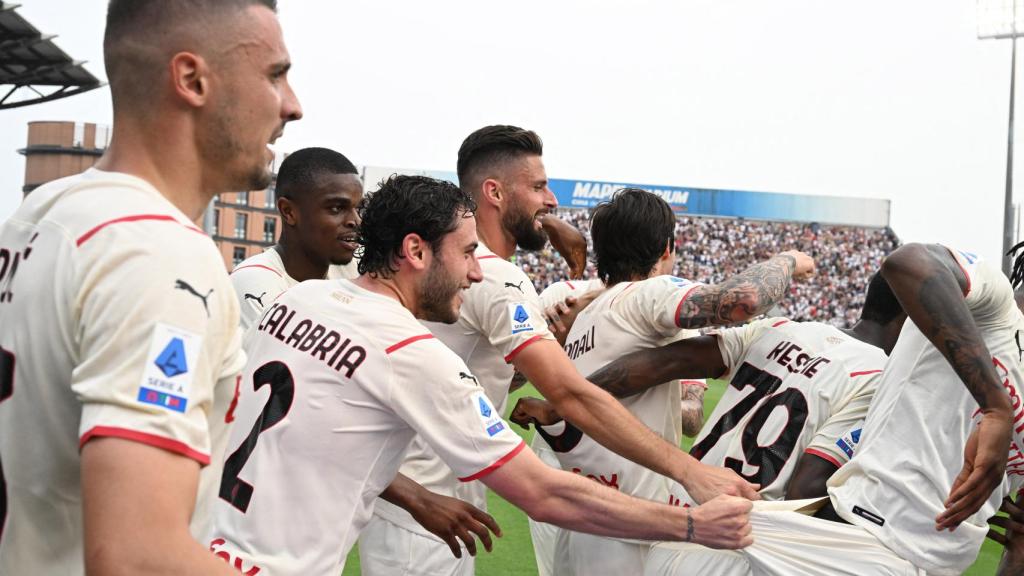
519,318
869,516
180,284
518,286
489,418
848,443
170,368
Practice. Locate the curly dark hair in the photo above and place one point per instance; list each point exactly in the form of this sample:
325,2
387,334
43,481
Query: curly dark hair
406,205
630,233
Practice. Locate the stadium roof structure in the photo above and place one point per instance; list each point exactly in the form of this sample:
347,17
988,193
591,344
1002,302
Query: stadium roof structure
32,68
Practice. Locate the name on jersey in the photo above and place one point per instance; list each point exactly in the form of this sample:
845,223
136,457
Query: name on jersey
170,367
519,318
792,357
581,345
306,335
612,481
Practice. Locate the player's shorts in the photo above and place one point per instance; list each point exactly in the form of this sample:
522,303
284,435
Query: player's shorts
386,549
687,559
579,554
544,535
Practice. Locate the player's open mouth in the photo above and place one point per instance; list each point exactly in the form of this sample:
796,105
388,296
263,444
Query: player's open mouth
349,242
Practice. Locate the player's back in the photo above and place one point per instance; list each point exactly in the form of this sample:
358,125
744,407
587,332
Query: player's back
916,430
793,386
80,348
626,317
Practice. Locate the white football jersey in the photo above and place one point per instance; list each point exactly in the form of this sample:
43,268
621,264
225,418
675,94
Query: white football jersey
627,317
117,319
914,435
260,279
500,316
553,294
339,381
793,387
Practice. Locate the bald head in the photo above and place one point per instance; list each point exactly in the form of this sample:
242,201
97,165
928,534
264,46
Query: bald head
143,35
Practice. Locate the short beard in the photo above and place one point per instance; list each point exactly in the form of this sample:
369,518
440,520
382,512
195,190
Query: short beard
436,294
223,149
520,224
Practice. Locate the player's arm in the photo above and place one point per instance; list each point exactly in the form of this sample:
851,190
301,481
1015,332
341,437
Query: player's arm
450,519
604,419
576,503
746,295
930,286
692,406
697,357
809,477
136,504
568,241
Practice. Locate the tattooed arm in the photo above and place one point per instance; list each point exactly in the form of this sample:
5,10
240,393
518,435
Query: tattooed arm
930,286
692,407
742,297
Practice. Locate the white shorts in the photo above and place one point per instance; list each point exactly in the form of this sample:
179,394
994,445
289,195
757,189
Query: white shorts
579,554
687,559
387,549
544,535
789,542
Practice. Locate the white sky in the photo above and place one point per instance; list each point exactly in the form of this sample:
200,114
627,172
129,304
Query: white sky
881,99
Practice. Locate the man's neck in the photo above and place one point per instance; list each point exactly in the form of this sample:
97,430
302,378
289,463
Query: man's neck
872,333
170,166
298,263
390,288
494,236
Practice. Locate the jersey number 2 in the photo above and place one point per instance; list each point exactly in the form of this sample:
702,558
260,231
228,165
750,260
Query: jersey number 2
771,458
6,389
236,491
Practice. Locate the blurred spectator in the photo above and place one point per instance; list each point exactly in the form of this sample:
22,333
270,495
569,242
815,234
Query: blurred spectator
712,249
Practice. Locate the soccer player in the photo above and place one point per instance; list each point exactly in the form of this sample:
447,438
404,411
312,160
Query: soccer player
936,436
501,329
637,310
340,378
119,340
803,385
318,191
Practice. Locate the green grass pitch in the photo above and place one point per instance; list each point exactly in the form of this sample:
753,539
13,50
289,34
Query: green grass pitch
513,553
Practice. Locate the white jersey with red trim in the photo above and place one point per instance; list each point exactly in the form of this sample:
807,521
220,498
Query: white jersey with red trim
260,279
920,419
627,317
339,381
116,319
562,289
793,387
500,316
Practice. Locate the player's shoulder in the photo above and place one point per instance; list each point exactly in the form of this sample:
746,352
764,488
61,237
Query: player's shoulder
502,280
660,285
262,272
852,356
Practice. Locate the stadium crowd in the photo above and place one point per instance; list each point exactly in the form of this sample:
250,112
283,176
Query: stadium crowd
712,249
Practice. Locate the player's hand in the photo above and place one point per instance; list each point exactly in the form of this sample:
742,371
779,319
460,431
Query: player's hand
569,242
534,411
805,268
708,482
451,520
723,522
560,317
984,464
1012,524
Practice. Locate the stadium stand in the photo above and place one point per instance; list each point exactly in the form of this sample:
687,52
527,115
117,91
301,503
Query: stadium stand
711,249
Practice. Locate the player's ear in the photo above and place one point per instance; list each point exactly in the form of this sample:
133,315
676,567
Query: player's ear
288,210
492,192
415,250
190,78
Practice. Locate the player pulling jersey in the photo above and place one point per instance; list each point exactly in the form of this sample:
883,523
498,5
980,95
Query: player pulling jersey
329,388
499,317
116,319
260,279
899,504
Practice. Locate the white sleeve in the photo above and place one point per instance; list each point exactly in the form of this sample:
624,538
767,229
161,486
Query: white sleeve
435,393
507,310
255,287
153,340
